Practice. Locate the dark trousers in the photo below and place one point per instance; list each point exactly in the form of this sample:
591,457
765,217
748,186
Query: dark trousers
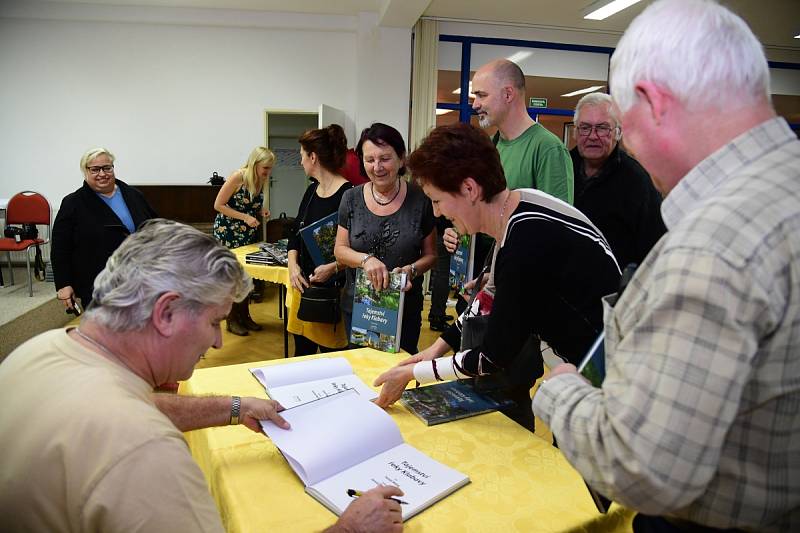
440,278
305,346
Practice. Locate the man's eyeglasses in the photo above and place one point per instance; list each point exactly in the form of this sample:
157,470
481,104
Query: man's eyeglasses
105,168
603,130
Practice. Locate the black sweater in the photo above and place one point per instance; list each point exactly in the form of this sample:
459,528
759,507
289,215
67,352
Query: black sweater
623,203
86,232
549,275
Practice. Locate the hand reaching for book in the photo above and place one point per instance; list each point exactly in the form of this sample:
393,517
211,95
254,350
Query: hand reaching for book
395,380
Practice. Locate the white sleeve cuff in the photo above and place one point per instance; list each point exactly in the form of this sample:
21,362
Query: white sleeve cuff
445,368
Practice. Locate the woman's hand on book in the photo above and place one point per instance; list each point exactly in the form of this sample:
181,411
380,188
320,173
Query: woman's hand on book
376,272
255,409
395,379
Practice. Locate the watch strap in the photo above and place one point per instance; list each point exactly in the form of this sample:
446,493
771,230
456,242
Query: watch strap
236,405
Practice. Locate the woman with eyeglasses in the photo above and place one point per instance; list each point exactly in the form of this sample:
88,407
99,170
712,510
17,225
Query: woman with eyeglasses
91,223
240,207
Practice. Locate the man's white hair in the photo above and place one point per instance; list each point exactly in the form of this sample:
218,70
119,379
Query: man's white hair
700,51
163,256
596,99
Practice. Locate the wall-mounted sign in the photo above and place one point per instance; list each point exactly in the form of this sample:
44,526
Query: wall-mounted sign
538,102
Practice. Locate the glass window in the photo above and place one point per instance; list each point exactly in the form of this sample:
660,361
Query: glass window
551,78
785,88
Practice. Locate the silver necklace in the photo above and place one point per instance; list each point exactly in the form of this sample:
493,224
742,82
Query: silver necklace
95,343
372,188
503,213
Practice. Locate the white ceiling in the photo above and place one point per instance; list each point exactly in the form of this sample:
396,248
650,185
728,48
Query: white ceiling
775,22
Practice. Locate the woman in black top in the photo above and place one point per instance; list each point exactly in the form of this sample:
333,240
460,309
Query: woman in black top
550,268
322,152
91,223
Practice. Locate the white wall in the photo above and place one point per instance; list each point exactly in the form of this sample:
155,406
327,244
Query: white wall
175,94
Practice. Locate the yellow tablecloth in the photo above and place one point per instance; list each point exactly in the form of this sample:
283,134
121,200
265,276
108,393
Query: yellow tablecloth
519,481
274,274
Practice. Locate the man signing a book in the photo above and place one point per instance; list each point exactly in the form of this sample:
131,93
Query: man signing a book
87,445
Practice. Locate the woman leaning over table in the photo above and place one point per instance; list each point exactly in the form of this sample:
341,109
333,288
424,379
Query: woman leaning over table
386,225
91,223
322,152
240,206
548,275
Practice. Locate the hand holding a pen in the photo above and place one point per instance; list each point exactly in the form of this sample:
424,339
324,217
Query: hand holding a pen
375,510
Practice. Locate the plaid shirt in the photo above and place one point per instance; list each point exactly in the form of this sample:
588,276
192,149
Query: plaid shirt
699,414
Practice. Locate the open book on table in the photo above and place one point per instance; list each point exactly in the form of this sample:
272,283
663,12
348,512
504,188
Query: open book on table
300,382
345,442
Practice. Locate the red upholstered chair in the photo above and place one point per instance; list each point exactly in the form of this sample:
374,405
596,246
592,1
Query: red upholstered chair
26,207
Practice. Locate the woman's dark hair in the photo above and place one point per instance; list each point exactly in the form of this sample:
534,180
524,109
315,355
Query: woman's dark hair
451,153
330,145
381,134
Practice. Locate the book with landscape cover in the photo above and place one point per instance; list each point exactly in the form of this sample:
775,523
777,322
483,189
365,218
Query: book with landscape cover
300,382
319,238
451,400
346,442
377,314
461,262
593,368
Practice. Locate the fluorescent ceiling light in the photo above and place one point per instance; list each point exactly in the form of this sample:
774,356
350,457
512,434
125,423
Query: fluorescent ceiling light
584,91
516,57
443,111
605,11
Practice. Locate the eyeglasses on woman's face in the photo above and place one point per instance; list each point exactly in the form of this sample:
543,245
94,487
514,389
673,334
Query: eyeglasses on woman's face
105,168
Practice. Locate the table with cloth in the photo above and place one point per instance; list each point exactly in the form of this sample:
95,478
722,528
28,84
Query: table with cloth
519,481
321,334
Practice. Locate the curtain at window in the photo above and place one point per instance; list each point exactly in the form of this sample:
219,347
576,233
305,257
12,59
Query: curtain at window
423,80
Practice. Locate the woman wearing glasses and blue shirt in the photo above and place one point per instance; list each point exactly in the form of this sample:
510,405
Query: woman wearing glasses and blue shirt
91,223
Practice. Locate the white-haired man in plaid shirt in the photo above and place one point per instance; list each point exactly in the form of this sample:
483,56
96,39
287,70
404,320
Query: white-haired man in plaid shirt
697,424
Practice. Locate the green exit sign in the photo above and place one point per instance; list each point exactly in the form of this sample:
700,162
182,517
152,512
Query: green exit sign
538,102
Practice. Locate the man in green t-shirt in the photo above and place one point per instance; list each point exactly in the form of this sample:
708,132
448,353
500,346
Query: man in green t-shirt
532,157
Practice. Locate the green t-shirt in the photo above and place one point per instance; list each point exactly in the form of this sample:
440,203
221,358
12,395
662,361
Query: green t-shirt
537,159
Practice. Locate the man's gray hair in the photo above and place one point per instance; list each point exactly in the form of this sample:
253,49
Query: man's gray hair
597,99
700,51
164,256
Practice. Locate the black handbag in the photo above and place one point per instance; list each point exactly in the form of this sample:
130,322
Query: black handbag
522,369
320,304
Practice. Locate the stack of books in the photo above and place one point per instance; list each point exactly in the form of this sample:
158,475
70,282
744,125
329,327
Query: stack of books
270,254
